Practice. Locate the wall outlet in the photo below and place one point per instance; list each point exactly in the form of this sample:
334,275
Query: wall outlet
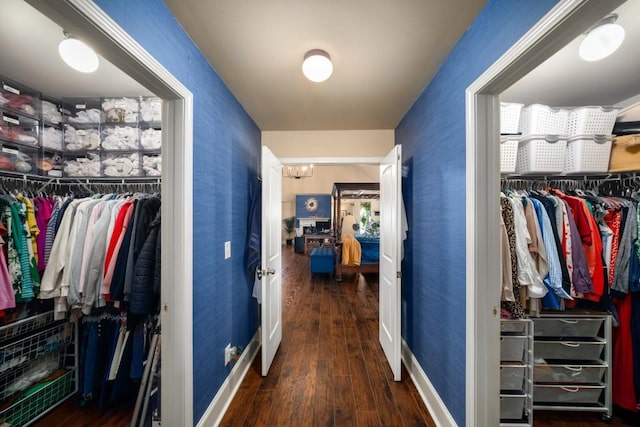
228,354
227,249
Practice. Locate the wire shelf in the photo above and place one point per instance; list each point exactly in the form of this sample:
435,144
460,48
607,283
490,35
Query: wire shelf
25,326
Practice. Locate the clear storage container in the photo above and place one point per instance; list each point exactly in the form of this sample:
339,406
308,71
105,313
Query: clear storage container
81,137
52,137
51,113
584,327
575,349
120,110
588,154
82,111
51,164
87,165
120,138
151,165
121,164
19,129
18,158
150,109
570,371
567,394
541,154
19,98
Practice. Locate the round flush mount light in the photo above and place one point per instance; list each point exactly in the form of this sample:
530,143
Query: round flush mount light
317,65
78,55
602,39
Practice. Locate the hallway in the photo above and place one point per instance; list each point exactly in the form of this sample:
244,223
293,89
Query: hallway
330,369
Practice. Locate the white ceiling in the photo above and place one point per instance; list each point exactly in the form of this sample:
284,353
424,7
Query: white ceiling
384,55
566,80
29,55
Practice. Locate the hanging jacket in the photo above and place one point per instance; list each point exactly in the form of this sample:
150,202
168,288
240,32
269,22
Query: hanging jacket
145,289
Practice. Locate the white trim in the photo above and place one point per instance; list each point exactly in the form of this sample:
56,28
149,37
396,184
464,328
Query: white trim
559,26
84,18
331,160
436,407
218,407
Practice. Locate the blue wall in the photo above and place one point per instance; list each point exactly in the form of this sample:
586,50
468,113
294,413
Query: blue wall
432,135
226,154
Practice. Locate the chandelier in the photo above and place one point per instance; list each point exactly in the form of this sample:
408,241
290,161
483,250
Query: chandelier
297,171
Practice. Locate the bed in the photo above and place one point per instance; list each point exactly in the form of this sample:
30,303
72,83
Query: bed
369,246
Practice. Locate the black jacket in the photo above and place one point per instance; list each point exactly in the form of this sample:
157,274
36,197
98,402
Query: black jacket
145,289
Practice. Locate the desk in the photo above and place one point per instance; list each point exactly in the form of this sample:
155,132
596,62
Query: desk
315,241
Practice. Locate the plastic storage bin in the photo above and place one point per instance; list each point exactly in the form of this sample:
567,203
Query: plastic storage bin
19,129
568,327
511,377
51,164
87,165
150,138
567,394
574,349
591,121
512,348
538,119
19,98
508,154
151,165
510,118
52,137
82,111
120,138
512,405
588,153
15,158
513,327
567,371
150,109
541,154
81,137
121,164
120,110
51,112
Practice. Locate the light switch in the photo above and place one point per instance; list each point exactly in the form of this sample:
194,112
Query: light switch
227,249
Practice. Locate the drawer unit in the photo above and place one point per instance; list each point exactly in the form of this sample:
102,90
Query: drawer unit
572,369
570,372
568,327
516,372
574,349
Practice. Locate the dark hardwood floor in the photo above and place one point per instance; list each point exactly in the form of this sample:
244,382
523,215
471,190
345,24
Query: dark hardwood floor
329,371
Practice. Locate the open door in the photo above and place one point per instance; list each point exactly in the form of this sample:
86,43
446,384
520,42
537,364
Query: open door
271,258
390,265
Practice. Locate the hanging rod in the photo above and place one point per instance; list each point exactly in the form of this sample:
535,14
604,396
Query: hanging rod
589,177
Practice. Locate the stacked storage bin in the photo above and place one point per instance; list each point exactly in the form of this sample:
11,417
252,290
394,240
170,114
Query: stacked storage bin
589,139
509,130
541,149
516,372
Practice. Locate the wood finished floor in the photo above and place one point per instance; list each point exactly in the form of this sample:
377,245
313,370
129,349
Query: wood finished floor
329,370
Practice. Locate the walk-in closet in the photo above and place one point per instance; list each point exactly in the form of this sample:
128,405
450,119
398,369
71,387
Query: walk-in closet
570,187
80,184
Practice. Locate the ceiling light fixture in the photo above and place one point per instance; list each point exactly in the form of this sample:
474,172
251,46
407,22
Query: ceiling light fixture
297,171
78,55
317,65
602,39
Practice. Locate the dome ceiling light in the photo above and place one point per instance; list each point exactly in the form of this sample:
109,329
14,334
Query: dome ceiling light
317,65
78,55
602,39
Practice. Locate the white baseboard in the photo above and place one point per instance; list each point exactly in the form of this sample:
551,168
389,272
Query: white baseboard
216,410
430,396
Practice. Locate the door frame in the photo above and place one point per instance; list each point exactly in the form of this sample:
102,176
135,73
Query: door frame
563,23
89,22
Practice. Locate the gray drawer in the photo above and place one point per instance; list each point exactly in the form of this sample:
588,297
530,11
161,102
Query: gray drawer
511,377
572,327
512,348
567,394
570,372
571,349
513,327
512,406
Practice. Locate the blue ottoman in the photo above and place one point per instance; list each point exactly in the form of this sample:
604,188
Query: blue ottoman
323,260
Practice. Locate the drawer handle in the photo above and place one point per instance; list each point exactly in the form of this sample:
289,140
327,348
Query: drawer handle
568,344
571,322
573,368
571,389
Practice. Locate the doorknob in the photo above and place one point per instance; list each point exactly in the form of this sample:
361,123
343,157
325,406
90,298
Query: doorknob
265,272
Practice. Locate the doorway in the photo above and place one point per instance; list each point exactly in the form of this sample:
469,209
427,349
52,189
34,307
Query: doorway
561,25
86,20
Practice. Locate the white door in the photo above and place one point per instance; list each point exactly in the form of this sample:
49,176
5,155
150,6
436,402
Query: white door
390,241
271,258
